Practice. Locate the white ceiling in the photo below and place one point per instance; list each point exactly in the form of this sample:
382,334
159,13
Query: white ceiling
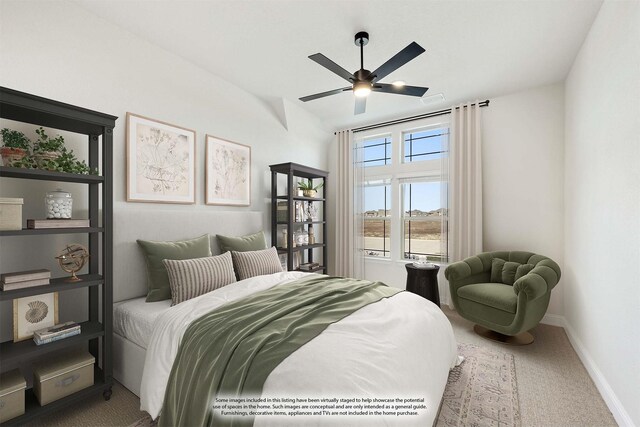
474,49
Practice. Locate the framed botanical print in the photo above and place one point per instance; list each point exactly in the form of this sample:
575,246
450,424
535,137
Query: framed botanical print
161,162
228,172
33,313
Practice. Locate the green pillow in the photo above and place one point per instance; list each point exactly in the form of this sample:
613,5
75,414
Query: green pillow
250,242
504,271
155,252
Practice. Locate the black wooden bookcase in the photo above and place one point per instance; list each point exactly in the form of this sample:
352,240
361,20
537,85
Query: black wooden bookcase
293,171
97,330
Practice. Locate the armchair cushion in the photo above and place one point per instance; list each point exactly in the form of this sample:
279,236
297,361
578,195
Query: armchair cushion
496,295
508,272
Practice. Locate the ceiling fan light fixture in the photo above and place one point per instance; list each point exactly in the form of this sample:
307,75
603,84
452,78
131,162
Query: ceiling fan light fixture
399,83
361,89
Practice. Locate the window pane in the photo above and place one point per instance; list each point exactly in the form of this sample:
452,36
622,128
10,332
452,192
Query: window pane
424,220
376,151
377,225
377,237
425,145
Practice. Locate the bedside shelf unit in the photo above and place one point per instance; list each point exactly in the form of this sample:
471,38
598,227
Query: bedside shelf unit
292,171
97,330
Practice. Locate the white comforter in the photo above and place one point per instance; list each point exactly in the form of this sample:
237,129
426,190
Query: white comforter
401,346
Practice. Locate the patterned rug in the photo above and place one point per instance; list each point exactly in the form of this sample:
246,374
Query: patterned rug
482,391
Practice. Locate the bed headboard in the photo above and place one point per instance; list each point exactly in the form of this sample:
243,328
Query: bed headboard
129,272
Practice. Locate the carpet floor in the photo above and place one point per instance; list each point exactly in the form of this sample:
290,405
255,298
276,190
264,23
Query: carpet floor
554,388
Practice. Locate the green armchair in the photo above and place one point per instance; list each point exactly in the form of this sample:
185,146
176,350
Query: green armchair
504,293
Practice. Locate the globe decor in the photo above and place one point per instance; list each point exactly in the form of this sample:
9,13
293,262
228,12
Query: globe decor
72,259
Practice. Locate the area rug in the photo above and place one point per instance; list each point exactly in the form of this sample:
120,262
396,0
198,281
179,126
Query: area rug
482,391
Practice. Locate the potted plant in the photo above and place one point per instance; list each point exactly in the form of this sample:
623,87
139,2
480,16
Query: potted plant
15,146
47,149
308,190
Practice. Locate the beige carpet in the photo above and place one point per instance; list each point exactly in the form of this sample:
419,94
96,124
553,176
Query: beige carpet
554,388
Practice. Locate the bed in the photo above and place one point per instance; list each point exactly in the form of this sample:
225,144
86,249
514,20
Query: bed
401,346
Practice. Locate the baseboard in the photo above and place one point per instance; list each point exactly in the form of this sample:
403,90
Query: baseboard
553,320
613,403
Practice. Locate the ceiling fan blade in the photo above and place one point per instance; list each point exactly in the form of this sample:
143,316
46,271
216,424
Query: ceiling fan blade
331,66
400,90
323,94
361,105
398,60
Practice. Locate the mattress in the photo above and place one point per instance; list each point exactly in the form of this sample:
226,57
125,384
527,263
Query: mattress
133,319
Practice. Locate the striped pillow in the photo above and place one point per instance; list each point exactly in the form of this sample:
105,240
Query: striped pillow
256,263
190,278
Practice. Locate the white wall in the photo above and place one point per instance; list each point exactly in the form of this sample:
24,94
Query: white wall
602,206
522,161
60,51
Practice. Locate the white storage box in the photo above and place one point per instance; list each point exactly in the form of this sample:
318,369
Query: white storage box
12,385
11,213
62,375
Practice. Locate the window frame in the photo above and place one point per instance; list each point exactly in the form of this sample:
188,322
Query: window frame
398,171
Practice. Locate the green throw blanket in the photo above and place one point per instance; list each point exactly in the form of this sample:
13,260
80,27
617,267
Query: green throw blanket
232,350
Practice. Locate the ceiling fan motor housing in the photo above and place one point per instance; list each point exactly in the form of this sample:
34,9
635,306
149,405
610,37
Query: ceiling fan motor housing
361,38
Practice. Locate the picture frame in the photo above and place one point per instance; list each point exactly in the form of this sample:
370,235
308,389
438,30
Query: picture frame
34,313
161,161
227,172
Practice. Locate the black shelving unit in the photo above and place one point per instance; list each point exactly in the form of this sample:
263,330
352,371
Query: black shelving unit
97,330
293,171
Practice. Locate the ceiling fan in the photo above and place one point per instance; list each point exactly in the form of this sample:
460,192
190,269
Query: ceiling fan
364,81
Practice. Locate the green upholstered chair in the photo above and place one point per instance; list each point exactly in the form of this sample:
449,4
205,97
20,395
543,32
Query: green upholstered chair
504,293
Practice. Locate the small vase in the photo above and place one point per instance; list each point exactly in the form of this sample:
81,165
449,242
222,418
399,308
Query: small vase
310,193
10,155
42,157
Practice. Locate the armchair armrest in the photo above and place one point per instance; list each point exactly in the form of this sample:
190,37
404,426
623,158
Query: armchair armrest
532,284
468,267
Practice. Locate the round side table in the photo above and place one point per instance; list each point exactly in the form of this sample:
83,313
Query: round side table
424,282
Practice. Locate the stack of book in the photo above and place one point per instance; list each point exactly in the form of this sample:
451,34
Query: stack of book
56,332
57,223
309,266
24,279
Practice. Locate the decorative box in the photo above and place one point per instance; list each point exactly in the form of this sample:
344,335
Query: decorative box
63,375
11,213
12,385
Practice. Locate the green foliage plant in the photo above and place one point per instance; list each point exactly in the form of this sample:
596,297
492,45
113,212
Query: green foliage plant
15,139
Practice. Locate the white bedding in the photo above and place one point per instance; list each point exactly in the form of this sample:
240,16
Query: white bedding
133,319
401,346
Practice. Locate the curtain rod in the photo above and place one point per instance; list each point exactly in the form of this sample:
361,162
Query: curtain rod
412,118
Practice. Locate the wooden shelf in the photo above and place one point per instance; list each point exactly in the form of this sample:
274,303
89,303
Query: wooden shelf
301,222
308,199
55,285
49,175
32,231
33,409
312,270
302,247
14,353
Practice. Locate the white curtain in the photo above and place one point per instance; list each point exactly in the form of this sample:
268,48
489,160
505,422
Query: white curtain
349,240
465,182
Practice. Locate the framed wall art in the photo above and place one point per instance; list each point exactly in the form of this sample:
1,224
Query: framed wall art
161,162
228,173
33,313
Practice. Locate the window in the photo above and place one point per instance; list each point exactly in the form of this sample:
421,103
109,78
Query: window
376,151
425,144
424,220
405,191
377,219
